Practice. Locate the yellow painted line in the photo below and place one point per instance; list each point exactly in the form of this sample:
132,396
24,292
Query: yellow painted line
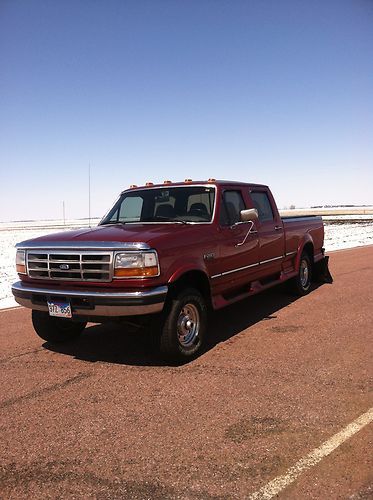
278,484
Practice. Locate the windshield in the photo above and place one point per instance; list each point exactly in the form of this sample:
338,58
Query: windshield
168,204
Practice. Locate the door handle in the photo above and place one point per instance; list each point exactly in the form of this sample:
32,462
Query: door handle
278,228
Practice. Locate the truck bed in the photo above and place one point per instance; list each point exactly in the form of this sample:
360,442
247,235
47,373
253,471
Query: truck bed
297,226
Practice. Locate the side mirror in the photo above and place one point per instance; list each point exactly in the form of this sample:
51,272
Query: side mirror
249,215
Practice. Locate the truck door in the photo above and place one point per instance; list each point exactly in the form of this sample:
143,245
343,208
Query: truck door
238,251
270,231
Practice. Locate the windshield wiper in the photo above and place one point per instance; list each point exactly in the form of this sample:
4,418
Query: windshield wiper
159,219
175,221
111,222
168,219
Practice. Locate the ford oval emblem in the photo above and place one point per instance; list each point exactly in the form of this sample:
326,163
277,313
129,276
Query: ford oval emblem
64,267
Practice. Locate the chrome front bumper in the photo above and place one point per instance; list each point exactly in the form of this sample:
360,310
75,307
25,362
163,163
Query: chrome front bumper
92,302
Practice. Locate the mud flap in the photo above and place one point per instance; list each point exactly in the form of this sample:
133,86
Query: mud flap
321,271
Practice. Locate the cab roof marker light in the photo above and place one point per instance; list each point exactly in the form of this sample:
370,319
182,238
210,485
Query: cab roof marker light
132,186
188,180
211,180
167,182
149,184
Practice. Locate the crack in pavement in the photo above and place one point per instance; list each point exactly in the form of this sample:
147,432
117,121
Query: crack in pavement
5,360
45,390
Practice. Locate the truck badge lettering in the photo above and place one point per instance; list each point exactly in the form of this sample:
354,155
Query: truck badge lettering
209,256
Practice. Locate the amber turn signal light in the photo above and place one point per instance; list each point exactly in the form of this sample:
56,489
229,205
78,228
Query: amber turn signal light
139,272
21,269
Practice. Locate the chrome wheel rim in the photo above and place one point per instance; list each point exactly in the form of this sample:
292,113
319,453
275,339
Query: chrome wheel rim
188,325
304,273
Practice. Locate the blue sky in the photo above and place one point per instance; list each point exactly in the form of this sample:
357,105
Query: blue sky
268,91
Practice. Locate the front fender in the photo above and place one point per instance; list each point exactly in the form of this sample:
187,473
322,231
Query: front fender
182,266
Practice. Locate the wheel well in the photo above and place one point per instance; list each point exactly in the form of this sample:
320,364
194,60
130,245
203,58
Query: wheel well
308,248
192,279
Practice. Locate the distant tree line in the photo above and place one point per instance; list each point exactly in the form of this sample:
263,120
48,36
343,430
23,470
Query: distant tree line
339,206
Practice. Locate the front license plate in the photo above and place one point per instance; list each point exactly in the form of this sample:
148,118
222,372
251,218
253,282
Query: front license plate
60,309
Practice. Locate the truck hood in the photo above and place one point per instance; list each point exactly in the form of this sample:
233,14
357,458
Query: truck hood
130,233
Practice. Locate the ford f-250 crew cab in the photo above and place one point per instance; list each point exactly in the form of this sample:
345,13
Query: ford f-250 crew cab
167,253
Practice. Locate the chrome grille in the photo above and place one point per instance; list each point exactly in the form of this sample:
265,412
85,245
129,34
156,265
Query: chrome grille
69,265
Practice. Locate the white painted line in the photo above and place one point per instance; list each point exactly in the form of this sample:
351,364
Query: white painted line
275,486
10,309
357,247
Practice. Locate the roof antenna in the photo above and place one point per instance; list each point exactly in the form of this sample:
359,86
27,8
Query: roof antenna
89,195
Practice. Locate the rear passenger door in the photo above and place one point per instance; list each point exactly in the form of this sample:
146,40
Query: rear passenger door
270,231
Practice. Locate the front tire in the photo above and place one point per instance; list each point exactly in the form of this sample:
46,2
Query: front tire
54,329
184,329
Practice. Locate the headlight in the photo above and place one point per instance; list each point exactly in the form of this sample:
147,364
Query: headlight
136,265
21,261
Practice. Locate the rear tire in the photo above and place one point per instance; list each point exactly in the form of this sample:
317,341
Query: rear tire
301,284
184,329
56,329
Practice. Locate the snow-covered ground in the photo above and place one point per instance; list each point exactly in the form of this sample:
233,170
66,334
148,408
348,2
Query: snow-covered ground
344,232
8,239
340,232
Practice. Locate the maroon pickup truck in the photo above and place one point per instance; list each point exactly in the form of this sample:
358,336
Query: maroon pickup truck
162,257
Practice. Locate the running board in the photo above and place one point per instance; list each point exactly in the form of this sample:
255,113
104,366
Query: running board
255,287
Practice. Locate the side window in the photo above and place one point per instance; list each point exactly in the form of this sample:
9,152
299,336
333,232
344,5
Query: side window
263,205
232,204
130,209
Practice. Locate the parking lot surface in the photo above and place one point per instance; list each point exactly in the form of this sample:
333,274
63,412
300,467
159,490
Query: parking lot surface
102,417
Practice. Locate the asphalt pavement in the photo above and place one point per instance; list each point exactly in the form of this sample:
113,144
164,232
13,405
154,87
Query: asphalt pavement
281,379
